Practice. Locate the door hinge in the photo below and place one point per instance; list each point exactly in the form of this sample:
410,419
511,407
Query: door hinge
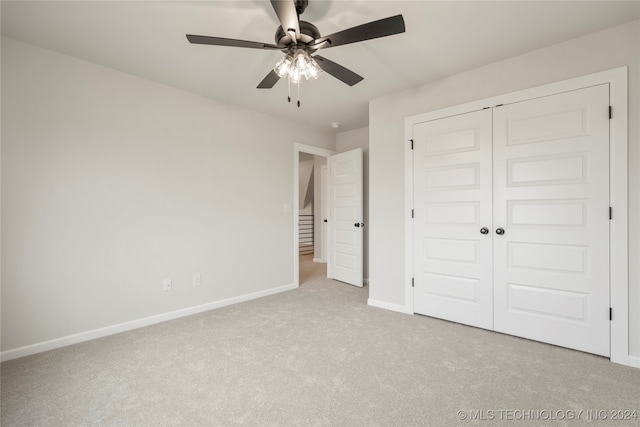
411,140
610,112
413,282
610,313
412,213
610,212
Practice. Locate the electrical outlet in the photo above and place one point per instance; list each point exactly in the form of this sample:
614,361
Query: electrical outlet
196,280
166,285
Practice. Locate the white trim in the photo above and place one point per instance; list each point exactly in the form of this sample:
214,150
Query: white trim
297,149
618,146
619,234
634,361
324,174
135,324
319,260
388,306
408,222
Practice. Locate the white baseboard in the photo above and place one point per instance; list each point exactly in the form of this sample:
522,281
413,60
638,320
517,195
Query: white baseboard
389,306
135,324
320,260
634,361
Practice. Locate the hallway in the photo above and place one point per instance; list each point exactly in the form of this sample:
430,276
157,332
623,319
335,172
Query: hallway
310,271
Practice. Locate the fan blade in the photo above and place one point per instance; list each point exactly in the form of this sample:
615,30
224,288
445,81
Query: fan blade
288,16
372,30
219,41
269,81
338,71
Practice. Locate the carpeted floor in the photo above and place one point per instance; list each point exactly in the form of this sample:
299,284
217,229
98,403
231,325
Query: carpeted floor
317,355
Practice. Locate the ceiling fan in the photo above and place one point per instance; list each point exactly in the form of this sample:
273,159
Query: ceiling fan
300,39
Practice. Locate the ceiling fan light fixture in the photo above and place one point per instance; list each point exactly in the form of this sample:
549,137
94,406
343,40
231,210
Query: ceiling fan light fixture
295,67
301,59
307,66
284,66
313,70
294,75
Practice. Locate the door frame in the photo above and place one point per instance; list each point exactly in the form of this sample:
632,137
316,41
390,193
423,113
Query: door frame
618,191
297,149
325,213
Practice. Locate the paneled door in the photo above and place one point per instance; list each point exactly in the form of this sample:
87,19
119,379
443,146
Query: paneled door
346,224
551,204
452,219
511,219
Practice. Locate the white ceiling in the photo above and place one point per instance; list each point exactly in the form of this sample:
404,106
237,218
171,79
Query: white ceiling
147,39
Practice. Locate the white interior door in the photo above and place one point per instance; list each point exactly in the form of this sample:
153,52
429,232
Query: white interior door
345,261
452,219
551,198
536,175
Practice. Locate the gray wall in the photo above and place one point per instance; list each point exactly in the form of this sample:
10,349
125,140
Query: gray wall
612,48
305,173
111,183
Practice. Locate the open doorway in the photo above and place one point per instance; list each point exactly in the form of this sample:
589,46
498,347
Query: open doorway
311,219
308,208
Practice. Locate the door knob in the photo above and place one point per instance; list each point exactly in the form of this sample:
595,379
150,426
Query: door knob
500,231
359,224
484,230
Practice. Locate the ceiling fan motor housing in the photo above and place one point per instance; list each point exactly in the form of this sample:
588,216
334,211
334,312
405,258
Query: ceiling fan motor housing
308,33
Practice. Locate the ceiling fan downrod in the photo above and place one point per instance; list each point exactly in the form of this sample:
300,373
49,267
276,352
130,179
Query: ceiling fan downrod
301,5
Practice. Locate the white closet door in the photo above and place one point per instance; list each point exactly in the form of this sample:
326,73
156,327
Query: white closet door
452,203
346,253
551,197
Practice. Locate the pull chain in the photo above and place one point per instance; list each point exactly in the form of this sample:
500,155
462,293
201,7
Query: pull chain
289,89
298,94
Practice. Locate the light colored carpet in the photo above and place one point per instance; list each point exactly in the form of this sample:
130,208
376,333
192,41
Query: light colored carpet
317,355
